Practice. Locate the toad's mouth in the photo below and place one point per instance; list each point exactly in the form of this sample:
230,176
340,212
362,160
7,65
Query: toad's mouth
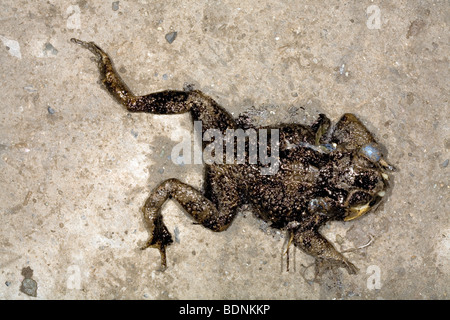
359,210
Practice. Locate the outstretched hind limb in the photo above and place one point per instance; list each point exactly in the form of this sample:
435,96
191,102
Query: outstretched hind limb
164,102
200,106
215,215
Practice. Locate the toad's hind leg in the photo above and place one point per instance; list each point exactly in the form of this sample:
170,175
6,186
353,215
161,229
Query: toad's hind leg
164,102
205,211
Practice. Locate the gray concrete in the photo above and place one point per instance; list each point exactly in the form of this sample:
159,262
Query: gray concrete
75,167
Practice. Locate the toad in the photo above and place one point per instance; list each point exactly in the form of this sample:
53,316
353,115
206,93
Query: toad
324,172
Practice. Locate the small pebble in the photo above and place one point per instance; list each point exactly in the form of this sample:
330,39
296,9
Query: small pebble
12,46
115,5
29,287
176,233
49,48
444,164
51,110
339,239
188,87
170,37
30,89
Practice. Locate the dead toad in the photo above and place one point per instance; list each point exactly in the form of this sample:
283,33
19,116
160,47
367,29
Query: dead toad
324,172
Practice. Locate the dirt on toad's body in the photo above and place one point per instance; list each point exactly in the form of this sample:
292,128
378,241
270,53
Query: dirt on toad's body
325,172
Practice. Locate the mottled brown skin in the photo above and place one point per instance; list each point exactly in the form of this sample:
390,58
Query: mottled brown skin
324,173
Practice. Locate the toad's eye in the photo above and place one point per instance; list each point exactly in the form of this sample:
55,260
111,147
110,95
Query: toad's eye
371,152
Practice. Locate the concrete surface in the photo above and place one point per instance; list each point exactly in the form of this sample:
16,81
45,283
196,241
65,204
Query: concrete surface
76,168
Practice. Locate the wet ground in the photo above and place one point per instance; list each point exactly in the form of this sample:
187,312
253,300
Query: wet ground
75,167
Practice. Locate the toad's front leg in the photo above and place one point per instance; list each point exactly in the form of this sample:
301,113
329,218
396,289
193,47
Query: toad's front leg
313,243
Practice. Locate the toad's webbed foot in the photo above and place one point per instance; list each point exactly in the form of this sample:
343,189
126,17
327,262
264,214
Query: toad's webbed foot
327,257
323,265
160,237
108,75
92,47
